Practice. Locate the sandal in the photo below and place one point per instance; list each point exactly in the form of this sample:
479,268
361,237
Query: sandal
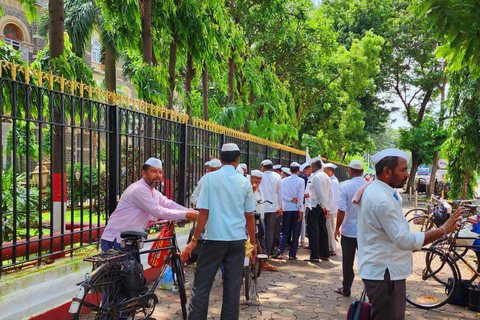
340,292
278,256
292,258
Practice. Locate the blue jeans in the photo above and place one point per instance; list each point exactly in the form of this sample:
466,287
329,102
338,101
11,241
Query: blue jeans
289,226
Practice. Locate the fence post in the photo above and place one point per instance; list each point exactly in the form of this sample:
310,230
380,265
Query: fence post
248,154
182,168
113,158
280,157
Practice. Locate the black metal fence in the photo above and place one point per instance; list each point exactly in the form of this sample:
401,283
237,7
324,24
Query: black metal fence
45,215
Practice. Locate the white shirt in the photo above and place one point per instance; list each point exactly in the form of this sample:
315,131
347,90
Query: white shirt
347,191
334,194
384,237
258,197
196,192
320,190
293,187
272,190
307,190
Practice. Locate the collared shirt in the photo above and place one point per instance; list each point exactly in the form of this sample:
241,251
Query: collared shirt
384,237
226,195
272,190
320,190
347,191
334,193
293,187
196,192
260,206
138,205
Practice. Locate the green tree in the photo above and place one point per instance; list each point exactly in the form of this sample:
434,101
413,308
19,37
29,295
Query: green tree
22,135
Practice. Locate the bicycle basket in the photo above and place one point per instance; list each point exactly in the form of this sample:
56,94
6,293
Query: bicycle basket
158,258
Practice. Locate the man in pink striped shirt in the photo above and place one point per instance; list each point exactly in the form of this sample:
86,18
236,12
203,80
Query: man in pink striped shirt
141,203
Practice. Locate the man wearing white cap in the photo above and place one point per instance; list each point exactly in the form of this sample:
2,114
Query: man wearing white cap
305,173
141,203
226,205
320,205
347,219
385,242
245,170
272,191
278,169
207,166
329,169
214,165
293,190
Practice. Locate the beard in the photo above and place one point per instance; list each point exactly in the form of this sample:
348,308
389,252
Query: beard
154,183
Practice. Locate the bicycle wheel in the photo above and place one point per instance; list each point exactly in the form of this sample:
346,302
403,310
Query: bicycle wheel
434,279
180,278
415,212
101,295
247,282
442,244
421,223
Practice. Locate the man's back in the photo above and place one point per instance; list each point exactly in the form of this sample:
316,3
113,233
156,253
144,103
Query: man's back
271,189
347,191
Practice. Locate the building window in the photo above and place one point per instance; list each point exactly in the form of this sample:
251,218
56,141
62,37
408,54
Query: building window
96,51
13,37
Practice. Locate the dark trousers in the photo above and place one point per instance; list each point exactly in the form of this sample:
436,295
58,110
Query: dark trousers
289,226
231,254
388,298
261,236
317,233
278,228
349,247
270,223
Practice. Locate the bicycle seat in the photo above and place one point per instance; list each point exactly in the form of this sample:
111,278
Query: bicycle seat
470,206
133,233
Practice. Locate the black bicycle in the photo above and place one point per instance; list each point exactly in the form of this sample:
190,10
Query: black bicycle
101,293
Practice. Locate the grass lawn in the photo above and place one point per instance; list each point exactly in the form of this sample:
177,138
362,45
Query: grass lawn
77,215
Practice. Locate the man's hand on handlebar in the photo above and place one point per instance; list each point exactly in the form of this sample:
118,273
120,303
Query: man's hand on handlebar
192,215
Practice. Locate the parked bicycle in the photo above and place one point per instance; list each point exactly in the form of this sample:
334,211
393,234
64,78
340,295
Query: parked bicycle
103,291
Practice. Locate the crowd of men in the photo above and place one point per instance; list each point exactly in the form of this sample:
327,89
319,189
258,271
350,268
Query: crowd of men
293,203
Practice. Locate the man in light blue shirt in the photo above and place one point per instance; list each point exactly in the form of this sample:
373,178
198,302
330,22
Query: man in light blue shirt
226,204
293,190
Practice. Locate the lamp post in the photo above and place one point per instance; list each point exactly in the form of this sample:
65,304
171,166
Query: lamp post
44,177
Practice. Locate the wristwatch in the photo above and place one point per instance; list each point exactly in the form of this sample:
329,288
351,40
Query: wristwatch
194,238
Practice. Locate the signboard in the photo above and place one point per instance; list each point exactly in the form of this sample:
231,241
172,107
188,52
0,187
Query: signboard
442,164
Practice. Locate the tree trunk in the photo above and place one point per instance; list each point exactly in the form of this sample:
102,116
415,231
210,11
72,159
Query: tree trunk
231,80
146,21
465,184
110,76
171,67
205,91
431,188
413,171
190,74
56,30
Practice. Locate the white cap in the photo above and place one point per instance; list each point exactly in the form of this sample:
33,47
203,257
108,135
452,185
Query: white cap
215,163
277,166
256,173
316,159
230,147
330,165
294,164
243,165
304,166
356,164
207,163
239,170
286,170
391,152
266,162
154,162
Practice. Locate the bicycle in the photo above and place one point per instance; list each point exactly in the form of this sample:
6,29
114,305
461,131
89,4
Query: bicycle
100,293
438,269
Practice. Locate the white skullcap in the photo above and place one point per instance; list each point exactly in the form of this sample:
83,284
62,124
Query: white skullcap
277,166
243,165
316,159
286,170
330,165
215,163
239,170
154,162
256,173
207,164
304,166
391,152
230,147
266,162
294,164
356,164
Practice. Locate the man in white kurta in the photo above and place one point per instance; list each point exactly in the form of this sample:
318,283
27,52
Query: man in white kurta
329,169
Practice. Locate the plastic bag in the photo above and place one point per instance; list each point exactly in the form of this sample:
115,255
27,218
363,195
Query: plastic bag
166,279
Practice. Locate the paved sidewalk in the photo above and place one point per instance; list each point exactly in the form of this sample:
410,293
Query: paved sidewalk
298,290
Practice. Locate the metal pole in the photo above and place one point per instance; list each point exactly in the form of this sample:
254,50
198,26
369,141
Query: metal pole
416,199
182,168
113,159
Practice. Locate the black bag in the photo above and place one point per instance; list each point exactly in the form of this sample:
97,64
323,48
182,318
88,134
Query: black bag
132,280
460,297
198,248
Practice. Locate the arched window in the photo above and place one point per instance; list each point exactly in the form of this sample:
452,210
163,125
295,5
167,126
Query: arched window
96,51
13,36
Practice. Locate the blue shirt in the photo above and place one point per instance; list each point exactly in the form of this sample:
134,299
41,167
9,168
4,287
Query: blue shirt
227,195
347,191
293,187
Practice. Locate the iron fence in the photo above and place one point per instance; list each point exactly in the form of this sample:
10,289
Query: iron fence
102,149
